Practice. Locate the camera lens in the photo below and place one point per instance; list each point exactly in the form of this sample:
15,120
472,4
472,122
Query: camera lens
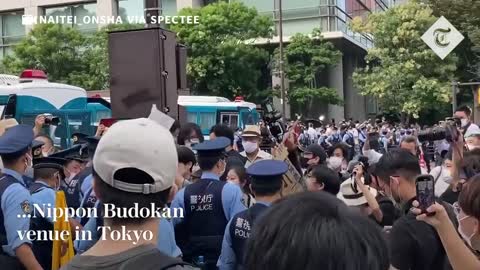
436,134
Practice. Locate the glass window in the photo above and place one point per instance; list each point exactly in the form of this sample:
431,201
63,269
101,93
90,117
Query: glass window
132,8
207,120
135,8
192,117
230,119
83,13
261,6
248,118
169,7
101,115
11,31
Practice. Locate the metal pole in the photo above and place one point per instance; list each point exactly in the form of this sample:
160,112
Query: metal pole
282,73
152,9
454,96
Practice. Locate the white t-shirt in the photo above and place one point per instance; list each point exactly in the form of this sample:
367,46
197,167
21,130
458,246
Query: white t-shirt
441,176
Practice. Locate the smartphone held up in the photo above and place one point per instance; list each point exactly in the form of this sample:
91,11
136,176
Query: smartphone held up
425,187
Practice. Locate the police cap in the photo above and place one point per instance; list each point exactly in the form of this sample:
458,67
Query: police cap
49,163
37,149
72,153
267,170
212,148
16,140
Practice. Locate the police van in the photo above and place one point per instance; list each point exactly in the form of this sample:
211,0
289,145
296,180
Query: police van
32,94
207,111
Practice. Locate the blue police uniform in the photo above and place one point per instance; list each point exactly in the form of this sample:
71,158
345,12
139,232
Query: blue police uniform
85,177
266,173
43,197
72,188
89,201
207,201
15,200
92,224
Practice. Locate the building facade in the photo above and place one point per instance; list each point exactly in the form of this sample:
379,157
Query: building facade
299,16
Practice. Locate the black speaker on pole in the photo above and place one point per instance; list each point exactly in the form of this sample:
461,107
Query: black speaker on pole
143,71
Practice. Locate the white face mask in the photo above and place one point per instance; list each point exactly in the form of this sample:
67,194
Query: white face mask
335,163
464,235
446,175
464,122
250,147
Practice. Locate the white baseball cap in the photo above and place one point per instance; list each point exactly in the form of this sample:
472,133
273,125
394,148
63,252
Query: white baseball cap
141,144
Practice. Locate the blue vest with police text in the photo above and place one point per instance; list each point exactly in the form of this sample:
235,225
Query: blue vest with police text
5,181
89,203
72,193
240,228
205,220
41,248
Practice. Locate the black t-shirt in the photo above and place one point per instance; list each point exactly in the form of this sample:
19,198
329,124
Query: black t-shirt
416,245
450,196
389,212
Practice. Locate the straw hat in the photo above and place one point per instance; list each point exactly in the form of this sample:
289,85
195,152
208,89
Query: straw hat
251,131
351,194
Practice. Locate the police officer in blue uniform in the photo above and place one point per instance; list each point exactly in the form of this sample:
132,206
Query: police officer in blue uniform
15,200
36,153
208,205
71,186
266,185
48,174
85,178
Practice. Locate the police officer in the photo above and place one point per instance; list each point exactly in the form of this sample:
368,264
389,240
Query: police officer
72,167
208,204
36,153
37,149
48,174
85,178
266,185
15,210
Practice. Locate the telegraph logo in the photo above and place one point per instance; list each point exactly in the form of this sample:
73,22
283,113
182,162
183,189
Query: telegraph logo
442,37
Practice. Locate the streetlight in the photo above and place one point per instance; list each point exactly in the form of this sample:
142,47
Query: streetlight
282,72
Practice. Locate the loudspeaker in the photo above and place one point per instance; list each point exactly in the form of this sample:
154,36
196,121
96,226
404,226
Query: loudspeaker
182,66
142,72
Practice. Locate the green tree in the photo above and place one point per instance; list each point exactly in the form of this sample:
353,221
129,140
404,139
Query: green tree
95,73
50,47
402,72
222,59
67,55
306,58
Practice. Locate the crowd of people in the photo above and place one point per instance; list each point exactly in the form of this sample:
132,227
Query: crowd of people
359,208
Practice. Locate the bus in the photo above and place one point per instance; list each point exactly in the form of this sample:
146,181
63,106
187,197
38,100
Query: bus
207,111
34,95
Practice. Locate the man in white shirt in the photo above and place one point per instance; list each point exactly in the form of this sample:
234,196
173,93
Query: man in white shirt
464,113
251,138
